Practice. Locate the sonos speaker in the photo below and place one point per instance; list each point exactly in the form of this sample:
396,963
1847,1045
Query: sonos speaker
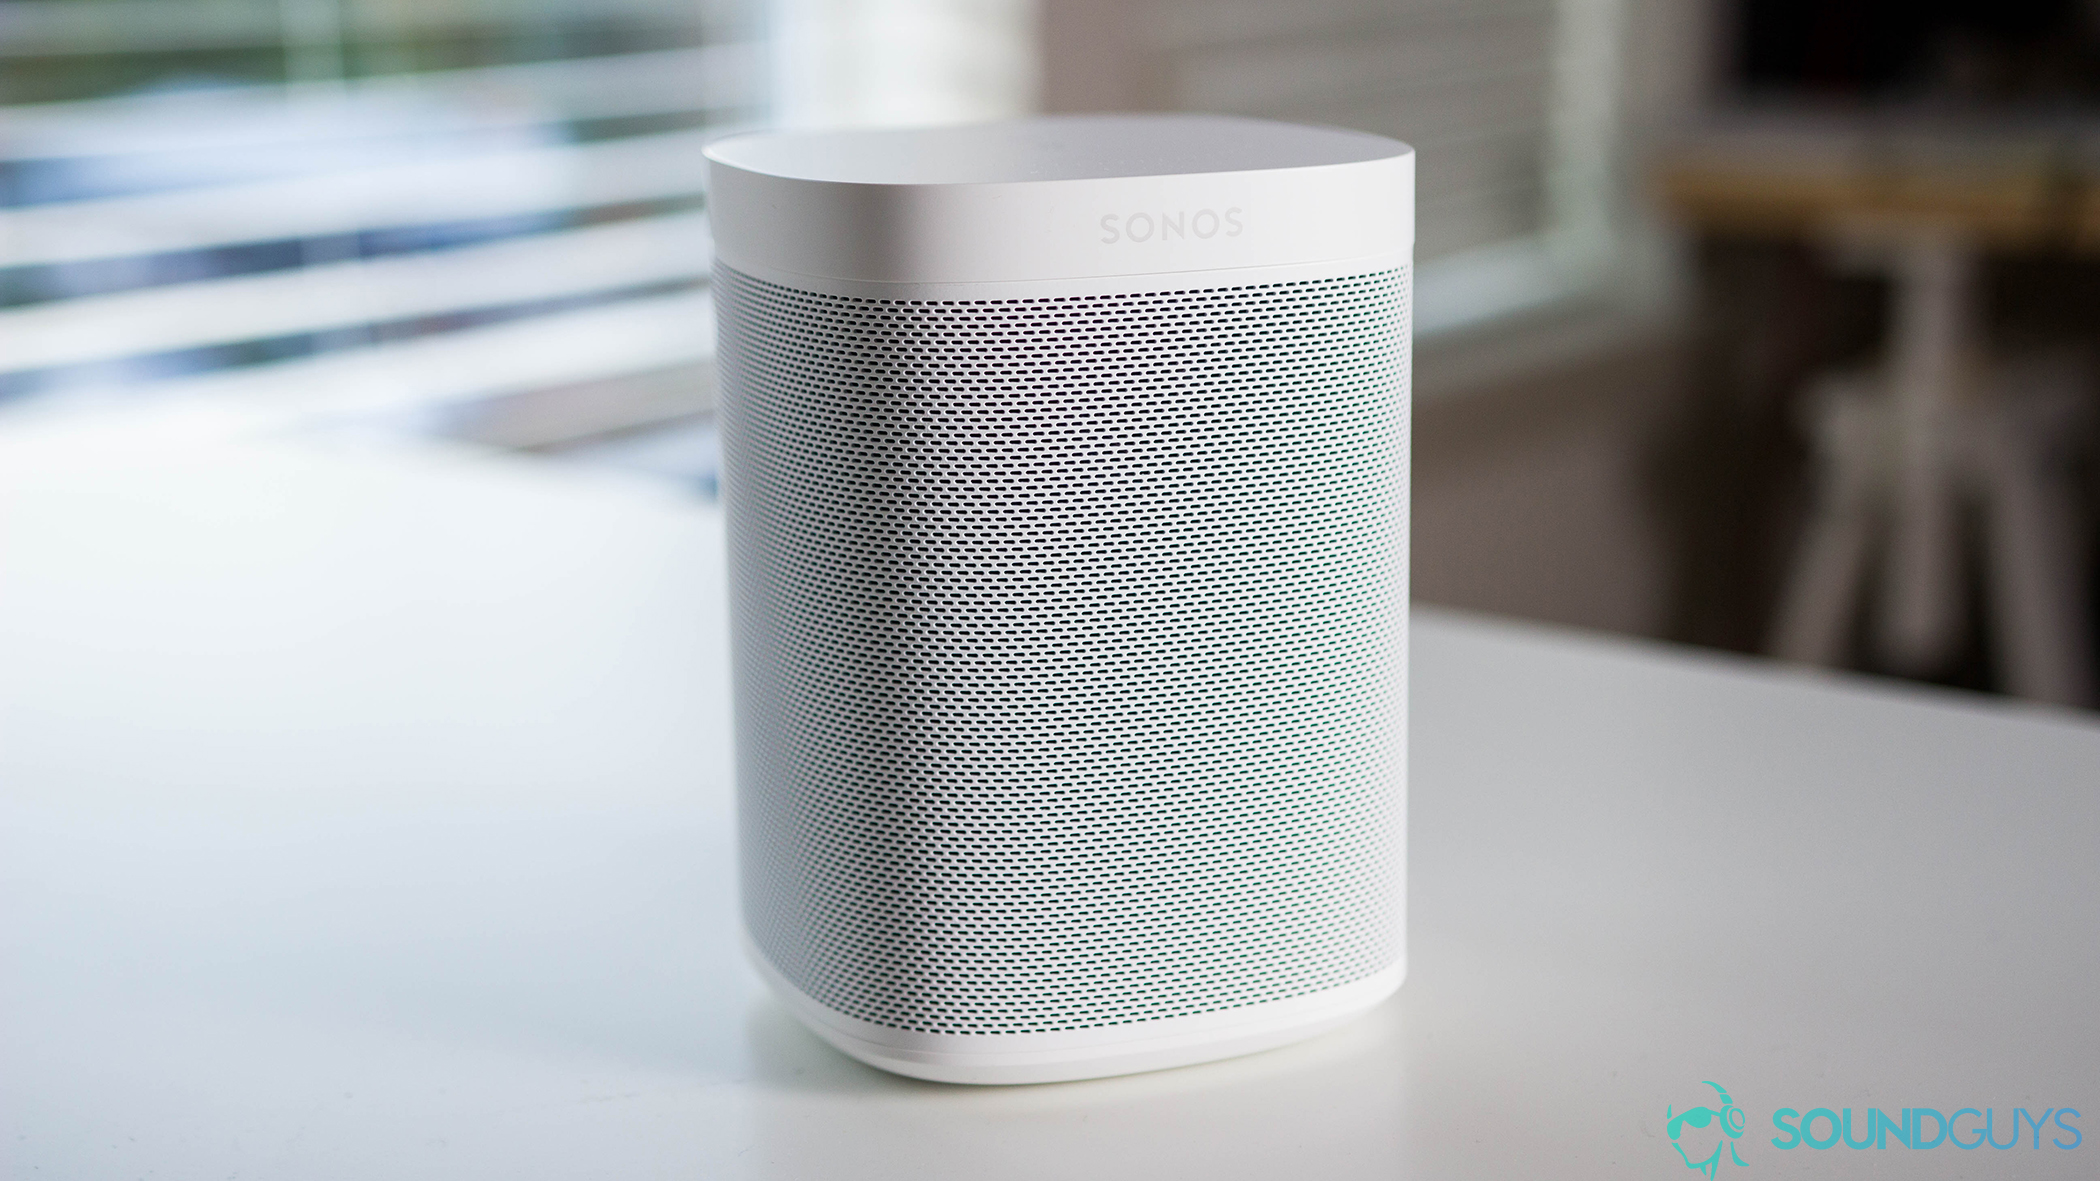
1065,464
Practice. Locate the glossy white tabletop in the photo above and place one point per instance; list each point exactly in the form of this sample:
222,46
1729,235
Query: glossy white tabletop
365,815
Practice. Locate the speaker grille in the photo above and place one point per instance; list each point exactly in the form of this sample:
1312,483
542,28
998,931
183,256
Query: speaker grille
1069,646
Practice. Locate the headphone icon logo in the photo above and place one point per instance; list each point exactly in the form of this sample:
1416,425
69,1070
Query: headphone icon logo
1731,1119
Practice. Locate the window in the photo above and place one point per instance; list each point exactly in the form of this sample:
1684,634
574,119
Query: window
327,207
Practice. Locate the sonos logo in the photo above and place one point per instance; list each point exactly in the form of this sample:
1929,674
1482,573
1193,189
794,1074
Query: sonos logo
1144,227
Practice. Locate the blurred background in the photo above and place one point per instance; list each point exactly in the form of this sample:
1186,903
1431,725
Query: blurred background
1766,325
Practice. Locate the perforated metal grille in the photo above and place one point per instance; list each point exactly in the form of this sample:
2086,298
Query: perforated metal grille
1070,646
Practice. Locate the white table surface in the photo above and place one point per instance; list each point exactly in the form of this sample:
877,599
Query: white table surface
364,815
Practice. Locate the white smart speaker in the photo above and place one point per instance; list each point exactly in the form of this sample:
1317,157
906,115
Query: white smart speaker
1066,471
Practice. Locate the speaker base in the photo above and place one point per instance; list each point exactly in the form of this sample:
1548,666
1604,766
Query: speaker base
1087,1053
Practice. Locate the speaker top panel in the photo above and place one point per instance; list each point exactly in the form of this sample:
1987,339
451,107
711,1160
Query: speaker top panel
1067,147
1057,198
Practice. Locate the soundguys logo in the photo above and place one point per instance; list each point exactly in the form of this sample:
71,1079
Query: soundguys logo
1968,1128
1730,1120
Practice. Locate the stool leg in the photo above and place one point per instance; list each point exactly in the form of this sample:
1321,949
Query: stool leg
1820,601
1919,624
2040,628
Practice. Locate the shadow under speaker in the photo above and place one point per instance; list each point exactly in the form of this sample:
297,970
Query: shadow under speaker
1066,471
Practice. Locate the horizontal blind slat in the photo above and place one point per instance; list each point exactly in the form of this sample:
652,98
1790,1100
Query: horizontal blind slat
662,82
566,348
599,259
463,188
42,28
